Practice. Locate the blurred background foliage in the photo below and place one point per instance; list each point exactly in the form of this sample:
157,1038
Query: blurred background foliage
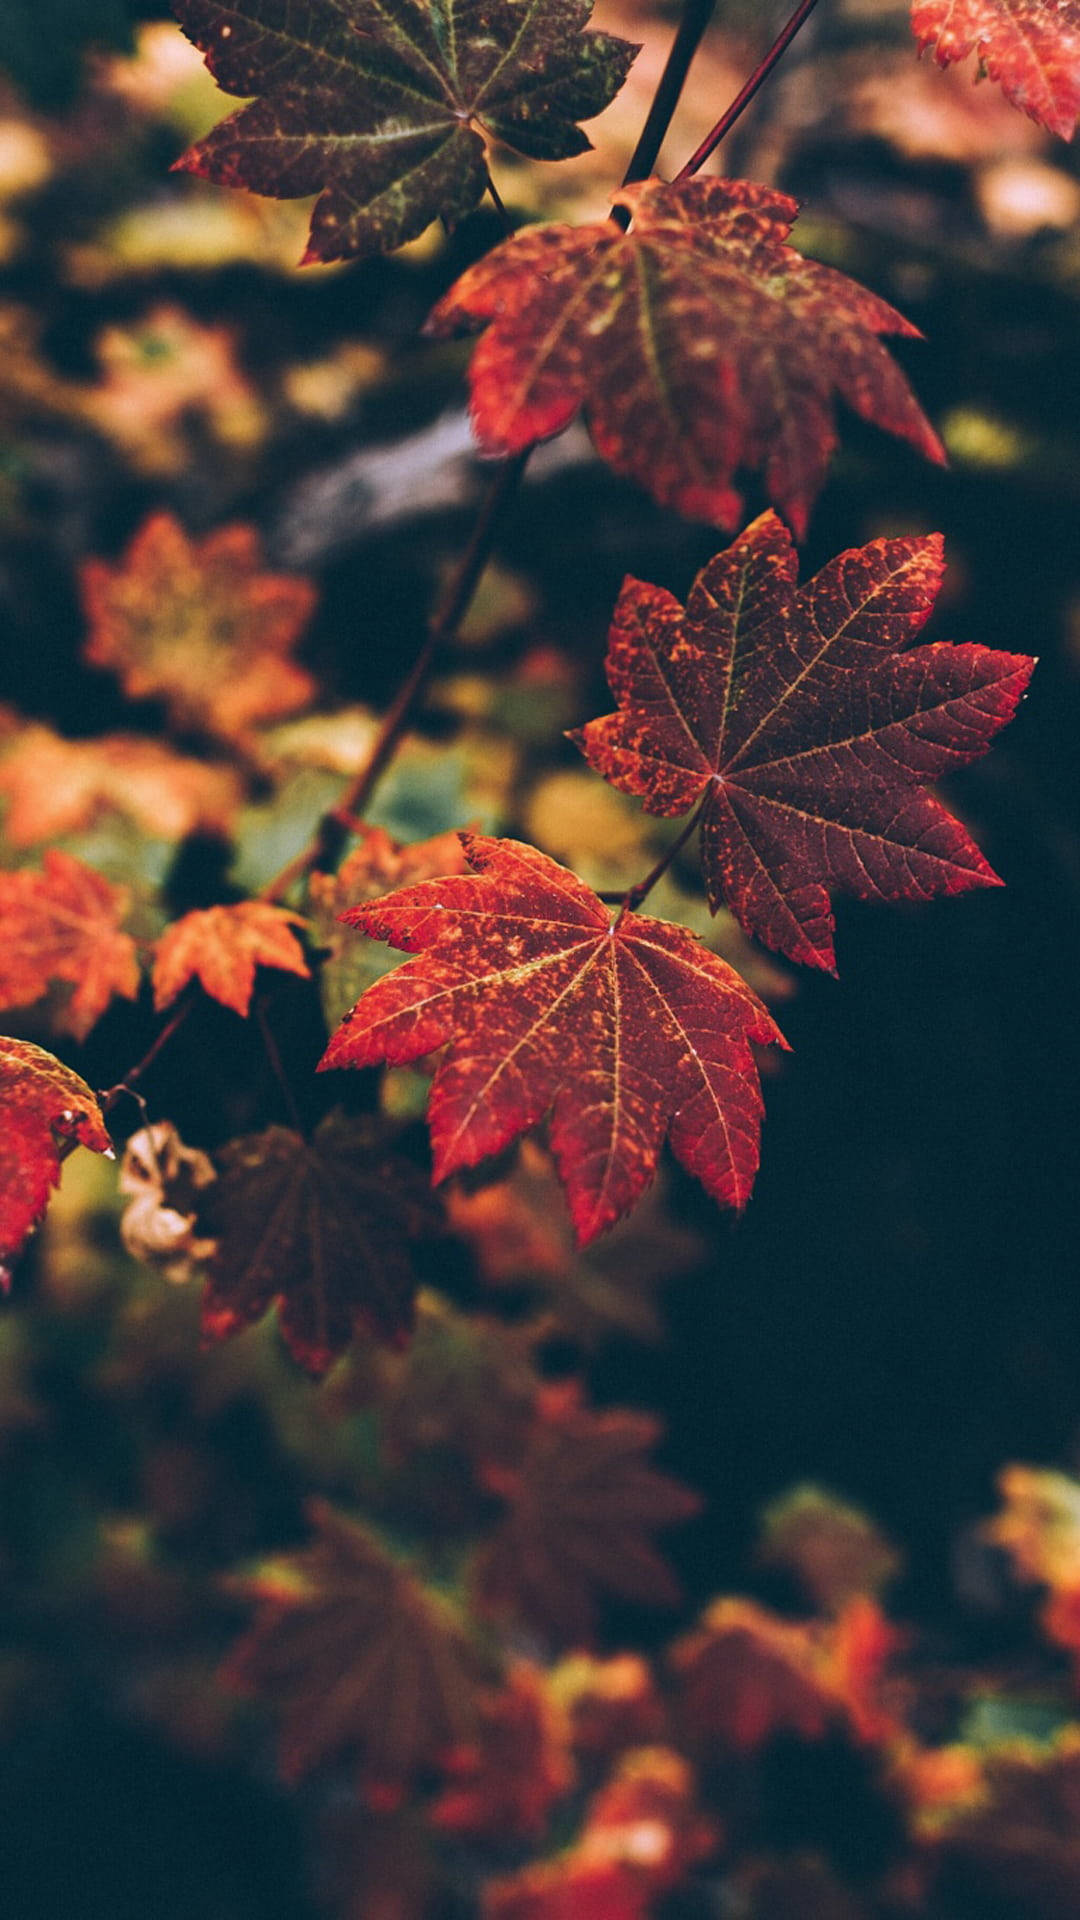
895,1317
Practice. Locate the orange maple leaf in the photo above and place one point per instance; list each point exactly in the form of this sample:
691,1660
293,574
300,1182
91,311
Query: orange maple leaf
221,947
56,786
65,924
199,625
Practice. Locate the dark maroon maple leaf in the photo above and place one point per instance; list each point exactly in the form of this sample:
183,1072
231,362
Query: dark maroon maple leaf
807,733
580,1509
381,106
698,343
359,1657
622,1033
42,1104
326,1228
1032,47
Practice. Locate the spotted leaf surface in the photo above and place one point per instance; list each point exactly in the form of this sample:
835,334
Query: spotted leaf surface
621,1033
1031,47
360,1658
42,1103
382,106
221,948
65,924
808,734
325,1229
697,344
199,625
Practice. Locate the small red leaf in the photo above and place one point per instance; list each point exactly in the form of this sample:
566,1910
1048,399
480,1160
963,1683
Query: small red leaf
698,343
623,1033
42,1102
807,732
64,924
1031,47
221,947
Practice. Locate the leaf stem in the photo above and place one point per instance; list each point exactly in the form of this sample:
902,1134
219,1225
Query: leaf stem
695,18
630,901
176,1020
498,203
746,94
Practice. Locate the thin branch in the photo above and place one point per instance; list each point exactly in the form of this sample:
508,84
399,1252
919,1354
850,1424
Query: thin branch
746,94
695,18
630,901
176,1020
498,204
273,1055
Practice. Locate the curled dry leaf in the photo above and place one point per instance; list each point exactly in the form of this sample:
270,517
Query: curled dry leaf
359,1657
221,948
42,1104
64,924
381,108
55,786
580,1508
697,344
197,624
623,1032
325,1228
808,733
163,1179
1031,47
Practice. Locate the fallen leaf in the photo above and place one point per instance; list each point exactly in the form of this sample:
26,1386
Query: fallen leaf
64,923
807,732
697,344
42,1103
580,1508
624,1032
325,1228
221,948
198,625
359,1657
1031,47
382,109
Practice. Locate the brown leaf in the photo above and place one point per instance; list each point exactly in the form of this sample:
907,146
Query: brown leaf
65,924
221,948
359,1657
198,625
580,1509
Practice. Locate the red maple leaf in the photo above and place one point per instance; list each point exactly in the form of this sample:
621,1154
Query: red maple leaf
1032,47
221,947
623,1033
697,343
42,1102
64,924
793,714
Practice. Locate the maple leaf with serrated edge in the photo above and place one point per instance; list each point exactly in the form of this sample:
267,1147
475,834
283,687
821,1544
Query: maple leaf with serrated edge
359,1656
623,1033
325,1228
580,1507
42,1102
1031,47
793,714
199,625
697,344
64,923
381,106
221,948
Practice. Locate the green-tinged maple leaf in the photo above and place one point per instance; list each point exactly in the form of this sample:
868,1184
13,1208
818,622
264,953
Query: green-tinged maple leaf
580,1508
360,1658
381,106
55,786
42,1103
198,625
1031,47
221,948
809,736
623,1032
697,344
65,924
325,1228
